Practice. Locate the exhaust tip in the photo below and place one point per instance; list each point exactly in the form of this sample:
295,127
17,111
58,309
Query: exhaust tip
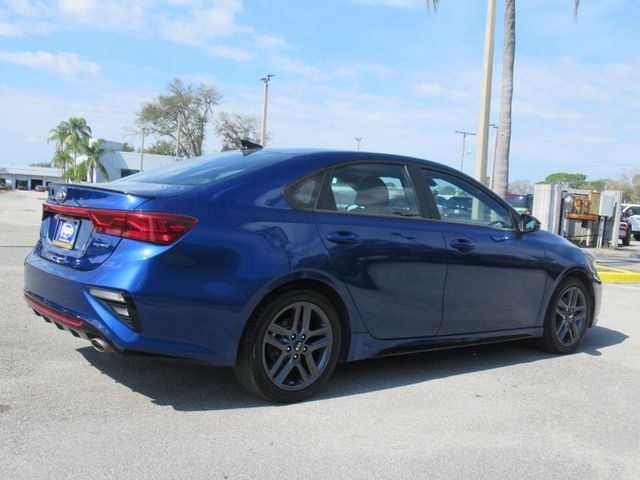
101,346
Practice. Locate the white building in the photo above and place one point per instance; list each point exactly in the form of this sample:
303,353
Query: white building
28,178
120,164
117,163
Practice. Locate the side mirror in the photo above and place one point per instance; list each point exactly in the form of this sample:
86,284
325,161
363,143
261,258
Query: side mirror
528,223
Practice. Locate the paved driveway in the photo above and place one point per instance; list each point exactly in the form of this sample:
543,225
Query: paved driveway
502,411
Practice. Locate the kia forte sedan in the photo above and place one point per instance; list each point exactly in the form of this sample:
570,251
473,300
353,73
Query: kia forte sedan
283,263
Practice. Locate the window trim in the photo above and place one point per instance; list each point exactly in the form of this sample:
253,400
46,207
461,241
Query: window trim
513,215
326,199
288,195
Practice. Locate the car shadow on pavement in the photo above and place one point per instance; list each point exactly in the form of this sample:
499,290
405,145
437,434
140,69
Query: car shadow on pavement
188,386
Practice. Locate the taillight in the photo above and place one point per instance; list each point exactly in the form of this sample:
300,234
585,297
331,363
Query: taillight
153,227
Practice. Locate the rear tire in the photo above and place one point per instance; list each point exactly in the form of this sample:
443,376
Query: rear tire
290,347
568,317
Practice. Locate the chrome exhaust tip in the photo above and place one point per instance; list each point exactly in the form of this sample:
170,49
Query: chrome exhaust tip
101,346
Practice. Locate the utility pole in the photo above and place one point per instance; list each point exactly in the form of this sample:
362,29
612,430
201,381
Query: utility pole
144,132
358,140
485,96
495,149
178,140
464,141
263,137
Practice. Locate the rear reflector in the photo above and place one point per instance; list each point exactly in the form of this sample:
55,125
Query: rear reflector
153,227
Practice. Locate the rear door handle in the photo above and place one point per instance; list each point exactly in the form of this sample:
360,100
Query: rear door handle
463,245
343,237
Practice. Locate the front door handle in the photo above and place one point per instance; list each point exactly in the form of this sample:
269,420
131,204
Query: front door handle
463,245
343,237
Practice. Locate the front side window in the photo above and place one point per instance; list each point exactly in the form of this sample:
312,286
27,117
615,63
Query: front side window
458,201
372,189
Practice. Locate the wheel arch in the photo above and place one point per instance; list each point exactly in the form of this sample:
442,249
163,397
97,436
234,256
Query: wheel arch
331,289
583,276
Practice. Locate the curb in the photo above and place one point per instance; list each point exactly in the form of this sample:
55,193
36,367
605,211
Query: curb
618,275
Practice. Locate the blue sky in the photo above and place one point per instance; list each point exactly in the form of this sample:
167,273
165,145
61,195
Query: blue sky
389,71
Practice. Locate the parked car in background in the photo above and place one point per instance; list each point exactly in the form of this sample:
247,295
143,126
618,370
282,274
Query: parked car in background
625,231
631,211
521,203
40,188
282,263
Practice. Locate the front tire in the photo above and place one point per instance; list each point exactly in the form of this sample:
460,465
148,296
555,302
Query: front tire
636,236
568,317
290,347
626,240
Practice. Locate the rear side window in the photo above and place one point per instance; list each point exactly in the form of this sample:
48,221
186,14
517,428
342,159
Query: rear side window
207,169
372,189
304,193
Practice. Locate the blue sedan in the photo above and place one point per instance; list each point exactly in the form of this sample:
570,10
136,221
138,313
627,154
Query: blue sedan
283,263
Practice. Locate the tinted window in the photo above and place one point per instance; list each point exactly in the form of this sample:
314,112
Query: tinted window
373,189
461,202
205,170
304,193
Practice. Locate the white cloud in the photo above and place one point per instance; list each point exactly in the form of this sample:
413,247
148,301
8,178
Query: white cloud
361,69
200,24
233,53
65,64
427,89
271,42
297,67
391,3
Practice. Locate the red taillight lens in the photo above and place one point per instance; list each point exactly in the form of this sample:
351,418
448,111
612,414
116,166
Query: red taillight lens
152,227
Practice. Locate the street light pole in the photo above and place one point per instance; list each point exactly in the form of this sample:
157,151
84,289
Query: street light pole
485,97
178,140
144,132
263,137
464,141
358,140
495,149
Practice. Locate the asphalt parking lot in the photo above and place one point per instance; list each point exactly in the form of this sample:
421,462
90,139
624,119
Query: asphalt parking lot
501,411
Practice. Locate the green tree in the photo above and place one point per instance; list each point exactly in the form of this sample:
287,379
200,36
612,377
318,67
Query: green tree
59,135
161,147
40,164
94,149
77,173
233,127
127,148
568,180
184,111
79,133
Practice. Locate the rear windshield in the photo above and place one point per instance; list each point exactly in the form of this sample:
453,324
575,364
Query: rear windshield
206,169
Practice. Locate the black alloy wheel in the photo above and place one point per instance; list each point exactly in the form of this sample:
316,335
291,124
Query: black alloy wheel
290,347
568,317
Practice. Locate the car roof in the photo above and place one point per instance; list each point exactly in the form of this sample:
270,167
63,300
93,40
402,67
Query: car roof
326,157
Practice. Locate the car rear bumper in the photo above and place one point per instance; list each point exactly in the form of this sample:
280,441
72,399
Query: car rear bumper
61,296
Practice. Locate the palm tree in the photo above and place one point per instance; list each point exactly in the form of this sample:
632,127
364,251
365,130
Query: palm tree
79,133
501,167
59,135
77,173
61,160
93,150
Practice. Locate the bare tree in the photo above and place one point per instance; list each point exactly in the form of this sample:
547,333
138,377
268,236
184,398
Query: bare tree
186,108
233,127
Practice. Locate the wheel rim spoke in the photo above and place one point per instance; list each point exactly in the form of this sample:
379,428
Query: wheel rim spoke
562,331
571,316
278,330
297,346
